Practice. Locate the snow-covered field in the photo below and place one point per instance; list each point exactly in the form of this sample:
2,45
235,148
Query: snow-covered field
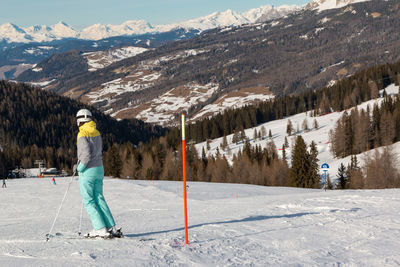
229,225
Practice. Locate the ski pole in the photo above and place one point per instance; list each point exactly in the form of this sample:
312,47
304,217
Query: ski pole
58,212
80,220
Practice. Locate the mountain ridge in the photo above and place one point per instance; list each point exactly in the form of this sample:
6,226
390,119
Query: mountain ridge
10,32
303,51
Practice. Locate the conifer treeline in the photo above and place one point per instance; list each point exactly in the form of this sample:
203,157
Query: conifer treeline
347,93
362,130
252,164
160,161
38,125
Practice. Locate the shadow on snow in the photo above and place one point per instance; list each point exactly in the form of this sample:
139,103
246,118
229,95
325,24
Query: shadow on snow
247,219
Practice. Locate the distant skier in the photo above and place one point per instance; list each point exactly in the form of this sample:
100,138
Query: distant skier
4,183
54,180
91,174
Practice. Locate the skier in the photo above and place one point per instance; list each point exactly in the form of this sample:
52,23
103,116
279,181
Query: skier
4,183
54,181
91,174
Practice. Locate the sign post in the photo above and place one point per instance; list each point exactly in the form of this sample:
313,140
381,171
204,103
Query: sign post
184,177
325,168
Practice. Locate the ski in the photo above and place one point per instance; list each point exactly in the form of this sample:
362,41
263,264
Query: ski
117,234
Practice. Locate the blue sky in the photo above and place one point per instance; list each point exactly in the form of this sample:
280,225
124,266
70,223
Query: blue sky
82,13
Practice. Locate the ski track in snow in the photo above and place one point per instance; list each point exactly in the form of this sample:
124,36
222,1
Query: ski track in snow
229,225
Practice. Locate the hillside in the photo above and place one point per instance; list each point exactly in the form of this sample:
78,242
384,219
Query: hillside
37,124
320,136
233,154
228,225
15,58
21,47
306,50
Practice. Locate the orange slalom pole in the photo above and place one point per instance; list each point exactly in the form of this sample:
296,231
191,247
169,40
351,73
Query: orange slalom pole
184,177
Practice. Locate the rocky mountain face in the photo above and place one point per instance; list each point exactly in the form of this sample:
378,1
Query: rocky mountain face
321,5
238,65
21,48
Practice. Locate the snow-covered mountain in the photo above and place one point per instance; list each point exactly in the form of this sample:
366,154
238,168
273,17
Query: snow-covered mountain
12,33
321,5
41,33
100,31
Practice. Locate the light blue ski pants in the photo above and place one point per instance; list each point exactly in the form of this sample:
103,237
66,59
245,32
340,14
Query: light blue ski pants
91,187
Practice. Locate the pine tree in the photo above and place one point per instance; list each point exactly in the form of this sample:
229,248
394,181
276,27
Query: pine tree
300,170
224,143
348,134
304,125
354,175
289,128
324,106
342,179
235,137
315,125
242,135
113,162
286,143
271,149
255,135
314,177
263,132
283,152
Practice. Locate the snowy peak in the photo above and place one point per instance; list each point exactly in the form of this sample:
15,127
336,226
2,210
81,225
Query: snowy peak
321,5
12,28
214,20
267,12
37,33
63,30
131,27
13,33
96,32
41,33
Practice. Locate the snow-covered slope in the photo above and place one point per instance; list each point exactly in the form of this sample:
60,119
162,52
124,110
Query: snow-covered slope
229,225
42,33
321,5
101,59
12,33
278,129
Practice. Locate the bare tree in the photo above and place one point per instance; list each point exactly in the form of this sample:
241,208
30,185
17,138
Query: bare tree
381,171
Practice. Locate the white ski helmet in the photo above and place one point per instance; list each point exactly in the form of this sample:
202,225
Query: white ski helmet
83,115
